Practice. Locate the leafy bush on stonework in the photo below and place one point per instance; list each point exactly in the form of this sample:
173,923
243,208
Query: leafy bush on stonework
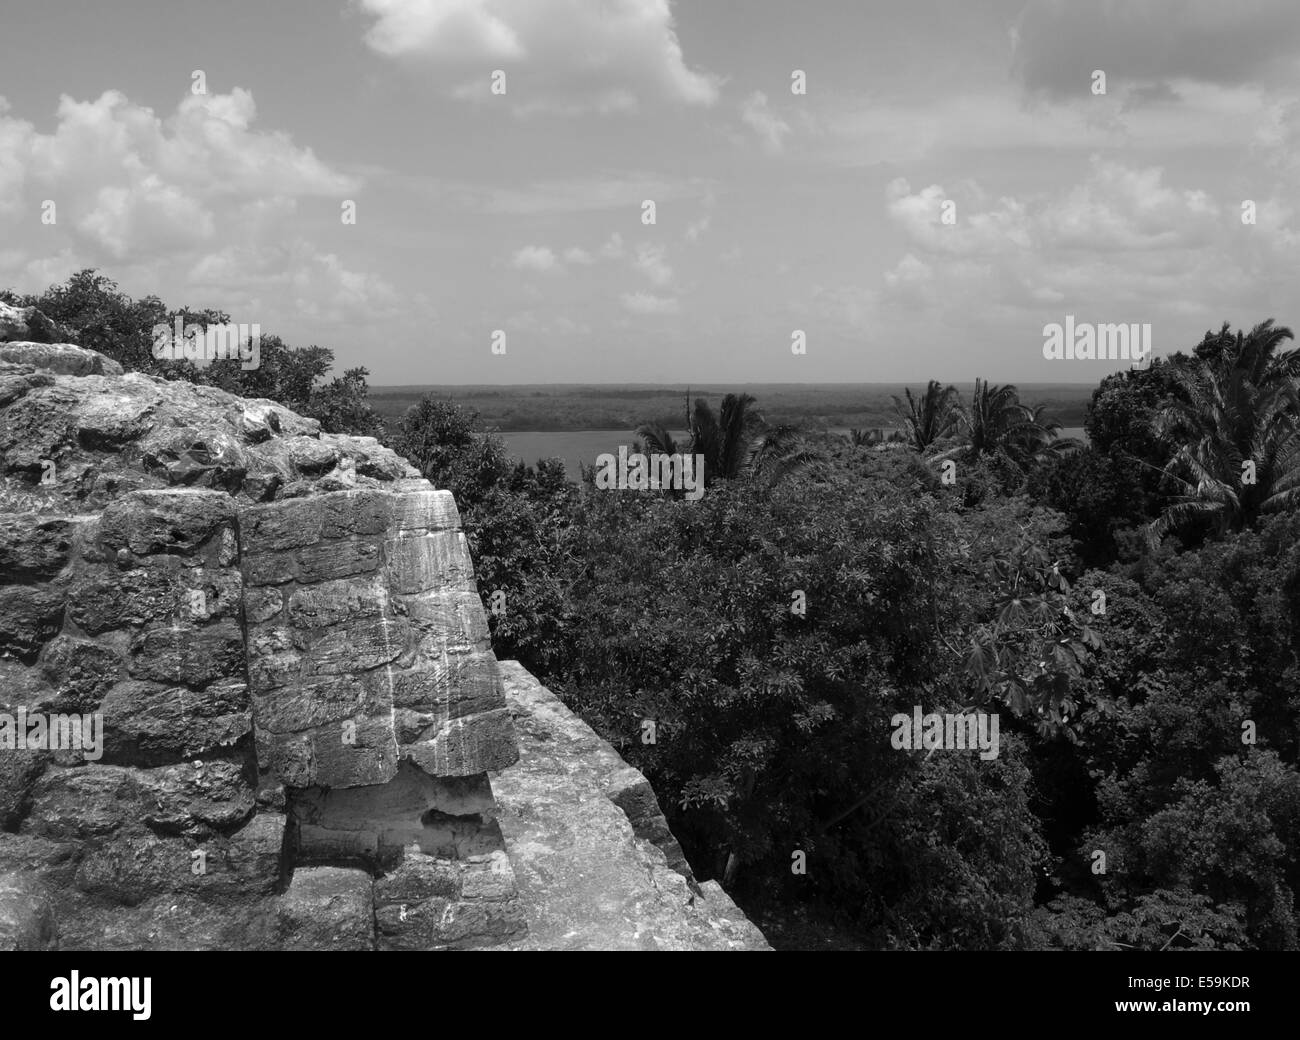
95,313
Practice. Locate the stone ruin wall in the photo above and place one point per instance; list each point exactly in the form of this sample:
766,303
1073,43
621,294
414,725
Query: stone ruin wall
279,629
285,688
377,702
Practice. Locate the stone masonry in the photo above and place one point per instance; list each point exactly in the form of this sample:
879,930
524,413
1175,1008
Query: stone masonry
377,703
342,633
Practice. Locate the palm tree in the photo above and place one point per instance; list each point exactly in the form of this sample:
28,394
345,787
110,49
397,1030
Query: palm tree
657,439
996,423
778,452
1042,437
724,441
734,442
931,417
1255,352
1239,405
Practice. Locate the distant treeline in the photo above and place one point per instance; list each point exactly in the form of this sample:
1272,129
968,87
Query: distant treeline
563,407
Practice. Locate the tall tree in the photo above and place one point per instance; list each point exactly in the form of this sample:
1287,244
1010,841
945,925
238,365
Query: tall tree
734,442
1234,424
929,418
997,425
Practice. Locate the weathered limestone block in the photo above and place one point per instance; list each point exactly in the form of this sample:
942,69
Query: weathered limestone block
160,589
190,654
82,803
459,747
139,864
452,620
268,569
302,706
94,800
30,615
587,877
419,878
104,598
33,546
53,863
326,908
290,759
176,521
27,920
61,358
488,877
134,866
355,754
425,510
109,421
259,420
291,524
195,797
311,455
149,723
357,646
262,604
336,559
19,771
253,859
272,660
422,563
341,754
426,903
362,513
332,602
80,672
19,380
360,603
193,456
466,681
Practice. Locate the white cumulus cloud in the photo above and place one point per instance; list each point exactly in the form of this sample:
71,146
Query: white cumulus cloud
573,56
650,261
535,258
770,128
648,303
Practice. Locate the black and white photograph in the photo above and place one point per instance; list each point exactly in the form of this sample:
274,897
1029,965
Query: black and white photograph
651,475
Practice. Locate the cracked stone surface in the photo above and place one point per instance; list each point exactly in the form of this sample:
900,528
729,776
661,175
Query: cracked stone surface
586,880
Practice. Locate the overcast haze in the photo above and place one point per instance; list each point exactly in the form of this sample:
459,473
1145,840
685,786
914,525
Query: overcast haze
775,211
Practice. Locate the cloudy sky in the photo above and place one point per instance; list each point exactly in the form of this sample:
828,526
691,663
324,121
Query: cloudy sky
775,211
